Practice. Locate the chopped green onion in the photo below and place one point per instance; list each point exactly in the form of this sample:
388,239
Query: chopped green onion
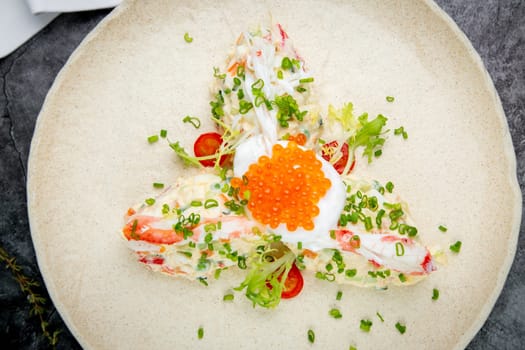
435,294
394,225
208,238
258,85
365,325
325,276
228,297
280,74
390,99
245,106
401,131
259,100
241,262
456,247
286,63
163,133
412,231
240,94
158,185
339,295
352,347
332,234
240,71
380,317
400,249
442,228
401,328
379,217
311,336
335,313
203,281
389,186
222,174
217,274
153,138
396,214
187,38
193,121
211,227
368,223
351,273
210,203
402,277
134,230
358,241
217,74
306,80
200,333
186,254
196,203
150,201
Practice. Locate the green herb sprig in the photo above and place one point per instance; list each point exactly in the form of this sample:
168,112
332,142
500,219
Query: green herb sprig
37,302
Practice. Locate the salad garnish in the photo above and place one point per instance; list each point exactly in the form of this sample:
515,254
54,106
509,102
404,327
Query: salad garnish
335,313
153,138
456,247
401,328
365,325
187,38
435,294
269,267
311,336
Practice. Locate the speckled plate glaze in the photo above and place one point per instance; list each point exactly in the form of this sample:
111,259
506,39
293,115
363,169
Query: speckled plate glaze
135,74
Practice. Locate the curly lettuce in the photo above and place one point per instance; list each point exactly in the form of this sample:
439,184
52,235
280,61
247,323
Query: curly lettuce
269,267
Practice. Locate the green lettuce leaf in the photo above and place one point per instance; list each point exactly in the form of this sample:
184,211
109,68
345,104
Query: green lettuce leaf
269,267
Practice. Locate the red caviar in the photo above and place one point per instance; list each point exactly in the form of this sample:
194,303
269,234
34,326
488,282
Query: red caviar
299,139
285,188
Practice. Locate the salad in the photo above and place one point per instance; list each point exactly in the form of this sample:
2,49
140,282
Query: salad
277,195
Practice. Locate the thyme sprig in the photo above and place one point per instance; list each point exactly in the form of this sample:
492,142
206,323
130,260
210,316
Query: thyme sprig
30,288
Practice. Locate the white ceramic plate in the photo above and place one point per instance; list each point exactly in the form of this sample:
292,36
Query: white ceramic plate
135,75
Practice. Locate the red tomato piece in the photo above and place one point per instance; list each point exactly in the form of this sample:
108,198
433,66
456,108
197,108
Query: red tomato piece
206,145
341,163
293,284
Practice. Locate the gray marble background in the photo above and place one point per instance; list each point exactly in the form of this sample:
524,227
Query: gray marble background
496,29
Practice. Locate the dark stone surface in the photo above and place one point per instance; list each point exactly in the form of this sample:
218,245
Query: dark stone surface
495,27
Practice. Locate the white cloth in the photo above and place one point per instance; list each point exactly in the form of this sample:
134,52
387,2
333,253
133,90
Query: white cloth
20,20
39,6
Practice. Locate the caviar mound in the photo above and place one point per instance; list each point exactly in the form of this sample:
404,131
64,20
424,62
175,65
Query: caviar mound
284,189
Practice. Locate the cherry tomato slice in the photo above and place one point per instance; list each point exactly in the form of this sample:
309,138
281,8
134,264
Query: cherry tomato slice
206,145
341,163
293,284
